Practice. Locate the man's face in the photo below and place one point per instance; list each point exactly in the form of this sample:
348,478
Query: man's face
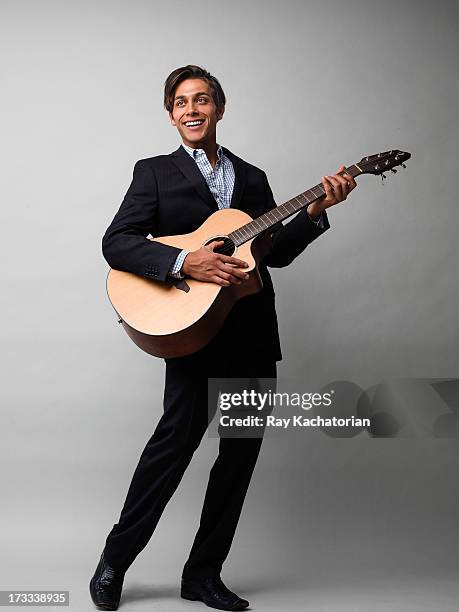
194,113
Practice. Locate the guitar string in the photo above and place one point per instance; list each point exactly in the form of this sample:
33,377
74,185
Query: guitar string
227,250
350,169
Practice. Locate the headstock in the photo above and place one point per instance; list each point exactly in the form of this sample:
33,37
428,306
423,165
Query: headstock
382,162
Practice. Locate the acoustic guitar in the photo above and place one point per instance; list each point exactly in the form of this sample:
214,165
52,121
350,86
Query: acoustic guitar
179,317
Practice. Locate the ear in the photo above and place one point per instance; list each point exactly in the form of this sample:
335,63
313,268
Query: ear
172,119
220,112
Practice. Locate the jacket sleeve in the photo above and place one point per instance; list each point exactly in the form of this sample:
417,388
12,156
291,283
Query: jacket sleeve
125,245
289,240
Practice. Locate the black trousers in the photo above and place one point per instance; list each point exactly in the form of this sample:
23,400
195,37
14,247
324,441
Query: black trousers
169,451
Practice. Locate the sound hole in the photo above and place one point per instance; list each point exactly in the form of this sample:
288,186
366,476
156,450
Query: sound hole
227,248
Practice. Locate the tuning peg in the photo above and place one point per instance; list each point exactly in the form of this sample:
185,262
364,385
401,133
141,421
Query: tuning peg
393,170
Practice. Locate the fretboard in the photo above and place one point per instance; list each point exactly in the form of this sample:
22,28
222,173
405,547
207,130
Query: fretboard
283,211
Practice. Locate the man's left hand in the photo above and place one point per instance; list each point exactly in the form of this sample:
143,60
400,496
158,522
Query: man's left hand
337,187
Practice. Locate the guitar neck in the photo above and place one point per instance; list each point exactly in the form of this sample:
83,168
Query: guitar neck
283,211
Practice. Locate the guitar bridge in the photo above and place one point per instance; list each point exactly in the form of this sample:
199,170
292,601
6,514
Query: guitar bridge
181,284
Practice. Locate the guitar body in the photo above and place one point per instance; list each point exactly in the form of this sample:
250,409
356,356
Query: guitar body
177,318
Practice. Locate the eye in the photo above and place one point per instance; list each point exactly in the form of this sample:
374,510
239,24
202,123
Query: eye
178,103
203,99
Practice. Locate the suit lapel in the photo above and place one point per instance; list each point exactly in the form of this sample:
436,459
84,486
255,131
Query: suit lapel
190,170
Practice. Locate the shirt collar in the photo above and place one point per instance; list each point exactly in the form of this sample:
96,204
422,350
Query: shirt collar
195,152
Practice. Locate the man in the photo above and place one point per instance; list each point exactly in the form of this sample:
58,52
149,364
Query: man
174,194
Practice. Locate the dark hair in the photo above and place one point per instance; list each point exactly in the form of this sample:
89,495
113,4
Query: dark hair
191,72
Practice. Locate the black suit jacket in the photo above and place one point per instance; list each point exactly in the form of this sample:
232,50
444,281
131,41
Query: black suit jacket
168,195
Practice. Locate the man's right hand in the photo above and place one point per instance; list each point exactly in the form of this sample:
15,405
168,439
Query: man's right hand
206,265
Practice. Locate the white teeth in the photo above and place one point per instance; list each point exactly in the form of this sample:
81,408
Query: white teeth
191,123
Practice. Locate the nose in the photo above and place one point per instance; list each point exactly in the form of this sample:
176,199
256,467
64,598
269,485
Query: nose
191,108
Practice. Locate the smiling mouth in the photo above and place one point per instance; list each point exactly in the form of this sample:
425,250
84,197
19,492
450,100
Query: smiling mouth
194,124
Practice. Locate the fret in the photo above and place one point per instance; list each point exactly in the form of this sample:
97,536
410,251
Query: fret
302,195
282,210
258,224
245,232
238,237
263,224
319,189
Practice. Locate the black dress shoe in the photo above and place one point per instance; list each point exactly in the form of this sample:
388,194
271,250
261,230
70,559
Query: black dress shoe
213,593
106,586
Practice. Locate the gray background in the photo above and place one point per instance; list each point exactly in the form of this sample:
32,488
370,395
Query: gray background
328,525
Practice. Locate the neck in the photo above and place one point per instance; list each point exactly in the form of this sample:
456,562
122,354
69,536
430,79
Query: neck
211,152
210,149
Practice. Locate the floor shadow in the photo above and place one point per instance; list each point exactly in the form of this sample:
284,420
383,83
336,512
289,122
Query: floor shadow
263,584
140,592
246,587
